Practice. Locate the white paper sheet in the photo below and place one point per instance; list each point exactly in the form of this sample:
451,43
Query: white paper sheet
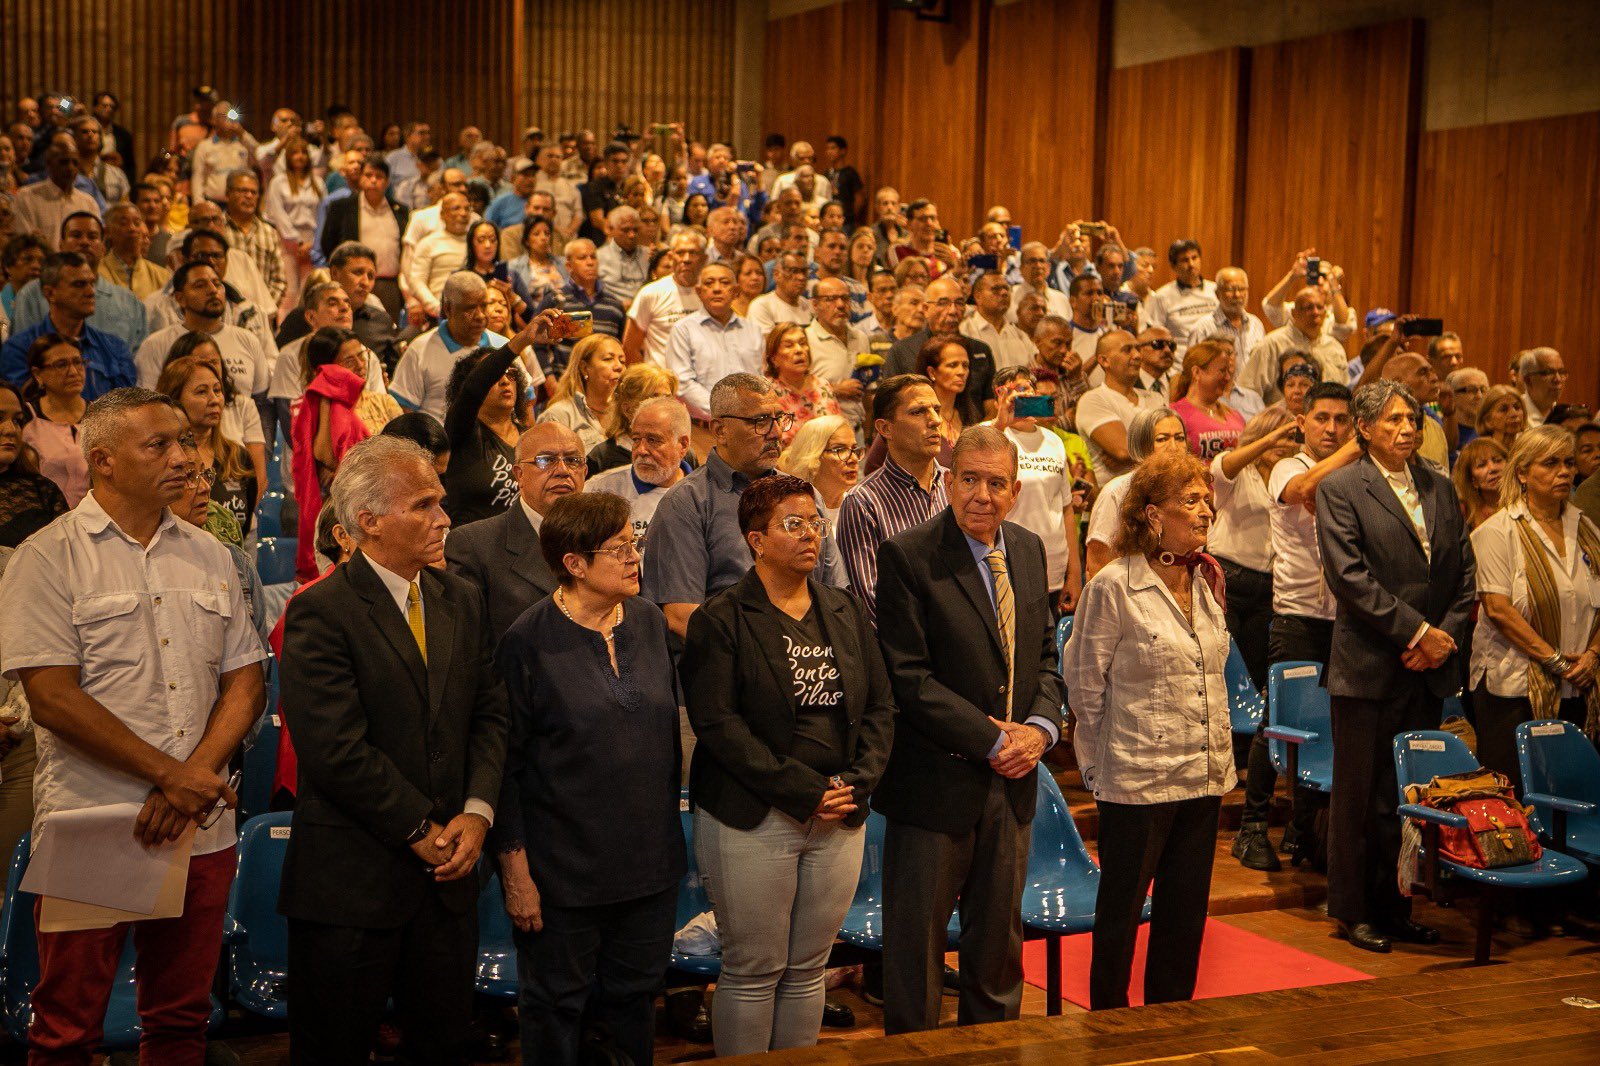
91,856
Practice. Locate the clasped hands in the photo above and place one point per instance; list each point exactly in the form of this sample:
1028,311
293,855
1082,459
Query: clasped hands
187,792
1021,747
452,850
1429,652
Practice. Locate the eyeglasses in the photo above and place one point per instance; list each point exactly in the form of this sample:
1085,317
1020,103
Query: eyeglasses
222,805
64,364
1470,390
1159,345
843,451
796,526
838,298
1556,373
946,302
763,424
622,553
202,478
546,461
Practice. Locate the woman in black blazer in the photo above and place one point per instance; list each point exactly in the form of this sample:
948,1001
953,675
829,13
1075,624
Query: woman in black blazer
793,717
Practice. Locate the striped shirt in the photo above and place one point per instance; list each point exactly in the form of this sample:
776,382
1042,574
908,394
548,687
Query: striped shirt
888,501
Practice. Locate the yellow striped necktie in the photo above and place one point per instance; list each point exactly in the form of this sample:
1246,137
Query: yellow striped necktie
1005,616
414,619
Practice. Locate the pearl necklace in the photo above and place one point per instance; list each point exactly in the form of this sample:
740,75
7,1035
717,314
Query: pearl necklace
609,635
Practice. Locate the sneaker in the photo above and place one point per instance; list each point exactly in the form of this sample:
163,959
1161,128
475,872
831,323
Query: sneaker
1253,850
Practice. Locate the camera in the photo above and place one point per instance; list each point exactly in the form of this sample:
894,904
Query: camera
1313,270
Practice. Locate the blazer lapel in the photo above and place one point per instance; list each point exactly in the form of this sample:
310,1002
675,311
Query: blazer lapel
439,624
527,560
387,619
1378,487
957,558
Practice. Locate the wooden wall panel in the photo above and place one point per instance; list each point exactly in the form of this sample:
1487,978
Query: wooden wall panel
1044,66
1173,155
1332,135
1507,245
822,77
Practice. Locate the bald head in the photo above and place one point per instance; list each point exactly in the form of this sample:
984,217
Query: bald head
563,475
1415,373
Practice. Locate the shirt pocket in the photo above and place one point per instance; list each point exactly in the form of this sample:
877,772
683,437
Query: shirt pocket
209,620
105,629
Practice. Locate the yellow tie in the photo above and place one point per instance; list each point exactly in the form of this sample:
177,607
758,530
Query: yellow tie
1005,616
414,619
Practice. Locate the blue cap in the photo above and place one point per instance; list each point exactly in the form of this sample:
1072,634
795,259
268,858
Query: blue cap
1378,316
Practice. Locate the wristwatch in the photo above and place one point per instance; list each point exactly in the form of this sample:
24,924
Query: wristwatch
418,833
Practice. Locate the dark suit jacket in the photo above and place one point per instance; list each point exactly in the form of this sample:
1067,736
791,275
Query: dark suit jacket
344,221
740,699
1385,586
502,557
942,647
902,359
383,742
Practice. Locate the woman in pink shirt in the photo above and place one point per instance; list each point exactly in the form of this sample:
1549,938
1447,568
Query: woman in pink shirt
1211,425
55,394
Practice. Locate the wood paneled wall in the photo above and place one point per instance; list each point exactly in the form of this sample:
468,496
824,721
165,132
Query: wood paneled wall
845,40
1507,245
591,64
1174,154
1331,143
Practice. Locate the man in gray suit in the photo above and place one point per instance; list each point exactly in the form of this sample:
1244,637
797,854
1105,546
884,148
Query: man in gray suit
501,555
1398,561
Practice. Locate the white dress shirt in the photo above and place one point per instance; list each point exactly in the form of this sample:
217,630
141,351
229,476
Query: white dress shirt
702,351
1010,346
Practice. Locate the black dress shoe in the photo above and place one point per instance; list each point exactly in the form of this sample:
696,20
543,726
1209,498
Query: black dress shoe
872,981
838,1015
1364,936
1253,850
687,1015
1410,932
952,981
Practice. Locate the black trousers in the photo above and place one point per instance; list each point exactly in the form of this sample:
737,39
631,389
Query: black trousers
344,976
600,966
1291,638
1363,829
1249,608
1172,844
1498,718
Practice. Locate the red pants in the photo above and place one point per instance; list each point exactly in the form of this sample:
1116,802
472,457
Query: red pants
177,959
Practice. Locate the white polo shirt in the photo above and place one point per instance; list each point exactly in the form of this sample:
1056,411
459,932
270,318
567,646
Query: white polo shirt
423,372
1298,587
1011,346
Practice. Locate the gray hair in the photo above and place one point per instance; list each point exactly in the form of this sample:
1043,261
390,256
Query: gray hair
1532,446
102,420
366,478
242,172
1458,377
1050,324
1368,403
725,393
687,233
579,244
122,207
621,214
1142,431
677,413
461,285
985,439
1144,251
1528,361
481,150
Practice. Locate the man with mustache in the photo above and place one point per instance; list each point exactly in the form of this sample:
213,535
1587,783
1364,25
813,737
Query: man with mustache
660,431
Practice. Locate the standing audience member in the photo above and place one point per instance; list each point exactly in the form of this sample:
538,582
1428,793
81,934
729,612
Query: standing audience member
624,262
117,310
1479,472
42,207
57,404
1231,321
944,305
1302,333
68,285
292,201
1150,646
836,345
584,293
1536,649
1467,386
488,413
787,302
594,711
325,427
1105,412
19,752
783,765
991,301
1502,416
377,883
582,399
440,254
803,394
640,382
1396,557
196,385
145,707
124,264
1044,504
659,432
663,302
1543,376
825,455
1211,425
421,377
711,344
1153,430
1187,300
29,501
247,231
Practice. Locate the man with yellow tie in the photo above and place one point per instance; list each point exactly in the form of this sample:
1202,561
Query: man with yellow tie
399,722
964,620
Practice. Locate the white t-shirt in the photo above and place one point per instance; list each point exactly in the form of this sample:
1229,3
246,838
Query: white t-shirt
656,309
1106,515
241,422
1046,493
1298,587
767,311
1242,532
423,372
1100,406
246,365
620,482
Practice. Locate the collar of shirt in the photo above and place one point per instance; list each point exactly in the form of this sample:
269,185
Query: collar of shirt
735,321
575,290
535,519
899,473
726,477
645,488
1201,284
1096,328
96,520
1399,478
398,587
452,345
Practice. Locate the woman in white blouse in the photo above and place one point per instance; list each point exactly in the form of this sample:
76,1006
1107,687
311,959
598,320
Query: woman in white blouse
1144,674
292,200
1241,539
1536,645
441,253
1152,431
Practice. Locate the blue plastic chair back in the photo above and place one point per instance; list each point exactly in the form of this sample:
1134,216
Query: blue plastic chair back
1558,760
1296,698
261,757
1063,880
275,559
1245,705
497,953
1451,708
863,923
692,900
1422,755
258,958
1063,633
269,513
275,463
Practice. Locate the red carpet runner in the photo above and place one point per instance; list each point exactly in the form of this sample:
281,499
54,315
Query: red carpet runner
1233,962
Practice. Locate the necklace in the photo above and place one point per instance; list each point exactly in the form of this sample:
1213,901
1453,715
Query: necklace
609,635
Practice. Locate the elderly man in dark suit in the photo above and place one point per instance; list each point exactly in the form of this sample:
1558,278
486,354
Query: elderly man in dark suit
501,555
399,721
1398,561
964,620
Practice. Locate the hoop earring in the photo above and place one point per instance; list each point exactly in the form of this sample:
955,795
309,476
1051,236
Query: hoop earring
1166,558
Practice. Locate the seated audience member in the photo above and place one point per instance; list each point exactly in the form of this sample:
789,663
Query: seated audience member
1044,504
1211,426
593,709
638,383
623,262
943,307
488,413
804,395
359,903
1543,376
659,434
195,384
663,302
538,270
1535,650
21,260
1588,436
124,263
778,778
196,507
67,283
29,501
1154,430
787,302
1241,534
750,280
824,453
583,293
1159,794
1188,299
56,405
89,678
326,425
1303,333
440,254
582,399
1502,416
991,301
711,344
425,368
1105,412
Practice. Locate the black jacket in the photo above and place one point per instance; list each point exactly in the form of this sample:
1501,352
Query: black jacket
502,557
383,742
942,647
344,221
741,702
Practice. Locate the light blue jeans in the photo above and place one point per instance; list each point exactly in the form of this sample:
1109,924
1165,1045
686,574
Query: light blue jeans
780,892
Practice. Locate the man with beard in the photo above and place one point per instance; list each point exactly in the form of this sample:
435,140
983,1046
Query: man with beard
660,431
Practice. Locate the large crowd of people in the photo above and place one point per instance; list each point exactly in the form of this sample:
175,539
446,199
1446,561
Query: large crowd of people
612,466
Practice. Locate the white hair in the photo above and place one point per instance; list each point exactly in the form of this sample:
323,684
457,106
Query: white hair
1528,361
461,285
367,475
677,413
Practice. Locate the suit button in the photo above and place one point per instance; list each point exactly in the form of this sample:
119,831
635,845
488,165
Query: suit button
436,756
1001,690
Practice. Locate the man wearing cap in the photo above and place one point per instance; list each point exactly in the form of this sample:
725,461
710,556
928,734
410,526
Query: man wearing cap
1187,300
532,142
508,208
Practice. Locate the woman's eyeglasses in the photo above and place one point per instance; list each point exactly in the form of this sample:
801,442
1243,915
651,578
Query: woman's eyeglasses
842,452
622,553
794,525
202,478
64,364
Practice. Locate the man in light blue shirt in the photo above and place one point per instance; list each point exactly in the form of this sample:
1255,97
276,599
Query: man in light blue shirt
508,208
705,347
403,163
117,310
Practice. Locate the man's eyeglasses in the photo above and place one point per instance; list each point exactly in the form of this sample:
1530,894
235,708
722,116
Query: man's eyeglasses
837,298
622,553
946,302
1547,373
796,526
843,451
763,424
1470,390
1159,345
546,461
